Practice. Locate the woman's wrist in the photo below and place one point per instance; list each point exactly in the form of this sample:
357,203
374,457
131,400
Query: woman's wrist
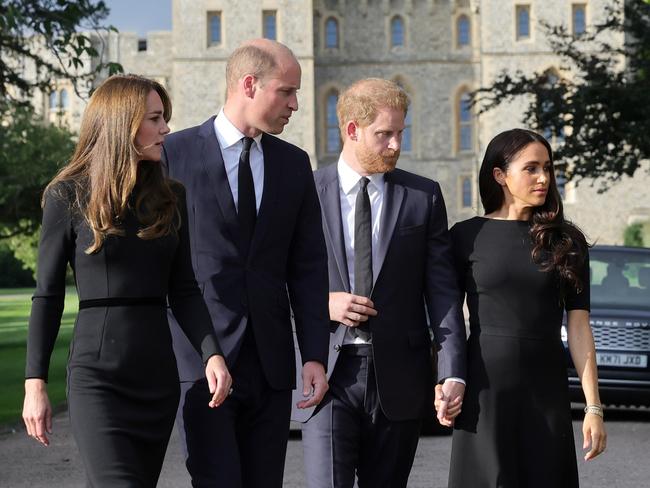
595,409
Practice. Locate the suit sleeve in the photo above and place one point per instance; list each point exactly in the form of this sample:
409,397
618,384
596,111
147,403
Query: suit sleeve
307,277
55,248
442,295
185,298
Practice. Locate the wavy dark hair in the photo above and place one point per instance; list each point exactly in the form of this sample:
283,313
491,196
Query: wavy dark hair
558,245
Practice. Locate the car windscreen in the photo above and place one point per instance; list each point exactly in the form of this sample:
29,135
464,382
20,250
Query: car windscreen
620,279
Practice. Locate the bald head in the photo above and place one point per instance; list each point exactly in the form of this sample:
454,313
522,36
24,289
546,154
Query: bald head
257,57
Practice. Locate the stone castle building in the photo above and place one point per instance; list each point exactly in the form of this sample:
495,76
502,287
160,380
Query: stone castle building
438,50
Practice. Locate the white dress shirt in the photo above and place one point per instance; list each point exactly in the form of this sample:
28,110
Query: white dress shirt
230,141
348,190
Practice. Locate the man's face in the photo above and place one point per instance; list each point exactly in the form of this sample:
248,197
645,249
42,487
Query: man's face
276,97
378,144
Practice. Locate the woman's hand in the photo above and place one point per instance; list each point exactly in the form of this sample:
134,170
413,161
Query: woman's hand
219,380
37,411
593,431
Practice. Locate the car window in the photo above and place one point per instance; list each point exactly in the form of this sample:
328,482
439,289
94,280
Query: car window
620,279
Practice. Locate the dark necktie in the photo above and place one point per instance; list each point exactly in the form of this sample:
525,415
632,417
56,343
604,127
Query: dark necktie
246,207
363,245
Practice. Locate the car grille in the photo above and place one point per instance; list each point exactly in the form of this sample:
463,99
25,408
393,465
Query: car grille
622,338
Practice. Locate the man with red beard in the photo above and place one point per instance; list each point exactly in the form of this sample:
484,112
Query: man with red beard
391,281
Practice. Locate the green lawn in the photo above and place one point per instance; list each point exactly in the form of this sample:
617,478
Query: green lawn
14,315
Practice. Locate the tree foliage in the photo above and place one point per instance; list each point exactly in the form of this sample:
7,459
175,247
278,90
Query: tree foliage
599,113
31,152
48,34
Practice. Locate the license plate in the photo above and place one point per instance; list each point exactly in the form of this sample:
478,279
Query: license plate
622,360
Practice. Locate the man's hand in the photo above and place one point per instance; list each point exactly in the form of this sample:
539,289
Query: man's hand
448,401
37,412
219,380
350,309
314,384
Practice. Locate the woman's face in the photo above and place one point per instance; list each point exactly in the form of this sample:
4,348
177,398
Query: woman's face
527,178
152,130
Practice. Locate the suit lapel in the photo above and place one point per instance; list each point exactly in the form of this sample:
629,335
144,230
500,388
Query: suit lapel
393,196
213,164
272,180
329,194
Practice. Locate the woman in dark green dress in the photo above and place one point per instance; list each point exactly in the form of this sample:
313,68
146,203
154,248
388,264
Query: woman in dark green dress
122,226
522,266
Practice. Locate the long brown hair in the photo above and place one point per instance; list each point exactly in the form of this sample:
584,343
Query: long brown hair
558,245
106,166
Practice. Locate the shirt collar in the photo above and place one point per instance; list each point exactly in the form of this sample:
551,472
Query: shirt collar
228,135
349,179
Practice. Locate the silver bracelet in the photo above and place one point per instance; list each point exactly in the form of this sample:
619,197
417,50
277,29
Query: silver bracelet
595,409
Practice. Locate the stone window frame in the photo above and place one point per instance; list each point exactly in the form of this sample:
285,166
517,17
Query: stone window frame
456,30
463,89
528,8
339,38
410,114
389,30
553,139
209,15
53,100
462,179
324,127
575,6
270,13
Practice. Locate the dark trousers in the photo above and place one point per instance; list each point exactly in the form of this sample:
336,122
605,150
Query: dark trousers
349,434
243,442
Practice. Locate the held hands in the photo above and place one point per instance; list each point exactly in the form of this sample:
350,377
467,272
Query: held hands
350,309
593,431
314,384
219,380
37,411
448,401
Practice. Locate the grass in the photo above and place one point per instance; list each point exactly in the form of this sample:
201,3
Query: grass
15,306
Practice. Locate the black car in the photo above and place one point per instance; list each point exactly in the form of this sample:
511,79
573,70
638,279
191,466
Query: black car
620,321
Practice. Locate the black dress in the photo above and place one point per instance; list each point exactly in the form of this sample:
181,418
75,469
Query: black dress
122,382
515,427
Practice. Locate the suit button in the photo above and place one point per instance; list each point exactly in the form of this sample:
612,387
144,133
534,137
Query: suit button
337,347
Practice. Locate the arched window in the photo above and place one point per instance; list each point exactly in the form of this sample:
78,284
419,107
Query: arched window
332,33
463,31
53,99
465,142
333,136
397,31
407,135
466,188
63,99
552,127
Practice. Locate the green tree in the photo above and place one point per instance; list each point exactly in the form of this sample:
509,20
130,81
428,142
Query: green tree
31,152
600,113
46,33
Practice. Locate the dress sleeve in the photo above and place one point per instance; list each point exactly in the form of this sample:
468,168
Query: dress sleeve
55,249
582,300
185,298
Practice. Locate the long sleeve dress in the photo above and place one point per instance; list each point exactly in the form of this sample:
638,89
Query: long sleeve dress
122,382
515,427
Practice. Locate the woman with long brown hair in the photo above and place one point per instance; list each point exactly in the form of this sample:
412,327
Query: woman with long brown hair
521,267
122,226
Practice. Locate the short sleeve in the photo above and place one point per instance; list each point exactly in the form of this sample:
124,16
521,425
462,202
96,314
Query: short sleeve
580,300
